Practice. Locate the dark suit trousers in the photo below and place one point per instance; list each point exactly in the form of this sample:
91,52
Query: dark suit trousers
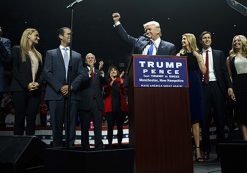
112,118
214,106
26,105
58,111
86,116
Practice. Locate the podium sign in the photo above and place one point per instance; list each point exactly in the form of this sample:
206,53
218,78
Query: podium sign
160,71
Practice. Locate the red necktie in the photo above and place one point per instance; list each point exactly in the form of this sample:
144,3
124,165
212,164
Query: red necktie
206,76
92,74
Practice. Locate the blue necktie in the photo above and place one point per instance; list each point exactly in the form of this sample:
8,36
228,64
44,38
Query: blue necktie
66,59
150,50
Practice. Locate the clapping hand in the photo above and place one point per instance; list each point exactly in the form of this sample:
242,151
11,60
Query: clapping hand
122,74
121,77
91,69
101,64
113,78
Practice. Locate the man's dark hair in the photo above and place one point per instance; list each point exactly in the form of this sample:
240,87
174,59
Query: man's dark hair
203,33
60,31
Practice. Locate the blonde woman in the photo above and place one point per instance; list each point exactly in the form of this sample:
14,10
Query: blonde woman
237,68
27,67
196,67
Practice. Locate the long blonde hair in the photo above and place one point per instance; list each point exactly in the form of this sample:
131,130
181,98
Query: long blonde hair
233,52
192,43
24,45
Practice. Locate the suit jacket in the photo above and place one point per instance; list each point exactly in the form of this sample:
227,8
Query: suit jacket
220,71
138,44
22,71
5,46
90,90
55,74
6,43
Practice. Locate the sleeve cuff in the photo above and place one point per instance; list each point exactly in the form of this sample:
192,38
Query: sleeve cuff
116,24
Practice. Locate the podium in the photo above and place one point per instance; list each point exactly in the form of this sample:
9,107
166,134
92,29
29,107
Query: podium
159,122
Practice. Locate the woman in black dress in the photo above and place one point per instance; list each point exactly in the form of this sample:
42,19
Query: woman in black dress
237,67
196,67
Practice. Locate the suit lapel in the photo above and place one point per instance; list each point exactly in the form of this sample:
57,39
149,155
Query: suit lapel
216,63
60,57
215,59
29,65
160,48
163,49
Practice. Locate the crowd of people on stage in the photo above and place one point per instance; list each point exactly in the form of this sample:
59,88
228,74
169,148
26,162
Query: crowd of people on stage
63,84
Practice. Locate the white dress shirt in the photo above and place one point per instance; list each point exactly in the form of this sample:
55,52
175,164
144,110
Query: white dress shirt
210,63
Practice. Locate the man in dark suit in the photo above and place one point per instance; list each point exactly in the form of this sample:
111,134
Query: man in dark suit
148,44
91,104
216,86
142,44
5,52
56,74
5,41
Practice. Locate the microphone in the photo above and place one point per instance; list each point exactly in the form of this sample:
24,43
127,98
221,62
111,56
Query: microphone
73,3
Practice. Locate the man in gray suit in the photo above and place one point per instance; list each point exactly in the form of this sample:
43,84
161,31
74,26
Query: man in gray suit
150,40
58,67
5,52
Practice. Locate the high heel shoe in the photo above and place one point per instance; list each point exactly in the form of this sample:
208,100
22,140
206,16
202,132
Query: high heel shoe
198,156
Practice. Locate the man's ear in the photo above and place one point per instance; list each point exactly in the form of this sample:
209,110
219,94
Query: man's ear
60,36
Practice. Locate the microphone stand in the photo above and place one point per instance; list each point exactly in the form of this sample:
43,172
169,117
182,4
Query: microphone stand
68,100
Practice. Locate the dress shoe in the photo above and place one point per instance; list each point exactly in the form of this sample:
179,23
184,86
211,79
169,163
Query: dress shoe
206,155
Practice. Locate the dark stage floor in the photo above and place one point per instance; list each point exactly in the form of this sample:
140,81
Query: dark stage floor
210,166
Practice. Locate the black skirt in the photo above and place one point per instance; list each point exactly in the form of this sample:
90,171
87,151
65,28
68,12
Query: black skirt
240,89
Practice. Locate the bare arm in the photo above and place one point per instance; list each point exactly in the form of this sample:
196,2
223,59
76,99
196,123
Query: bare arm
230,90
200,62
228,67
